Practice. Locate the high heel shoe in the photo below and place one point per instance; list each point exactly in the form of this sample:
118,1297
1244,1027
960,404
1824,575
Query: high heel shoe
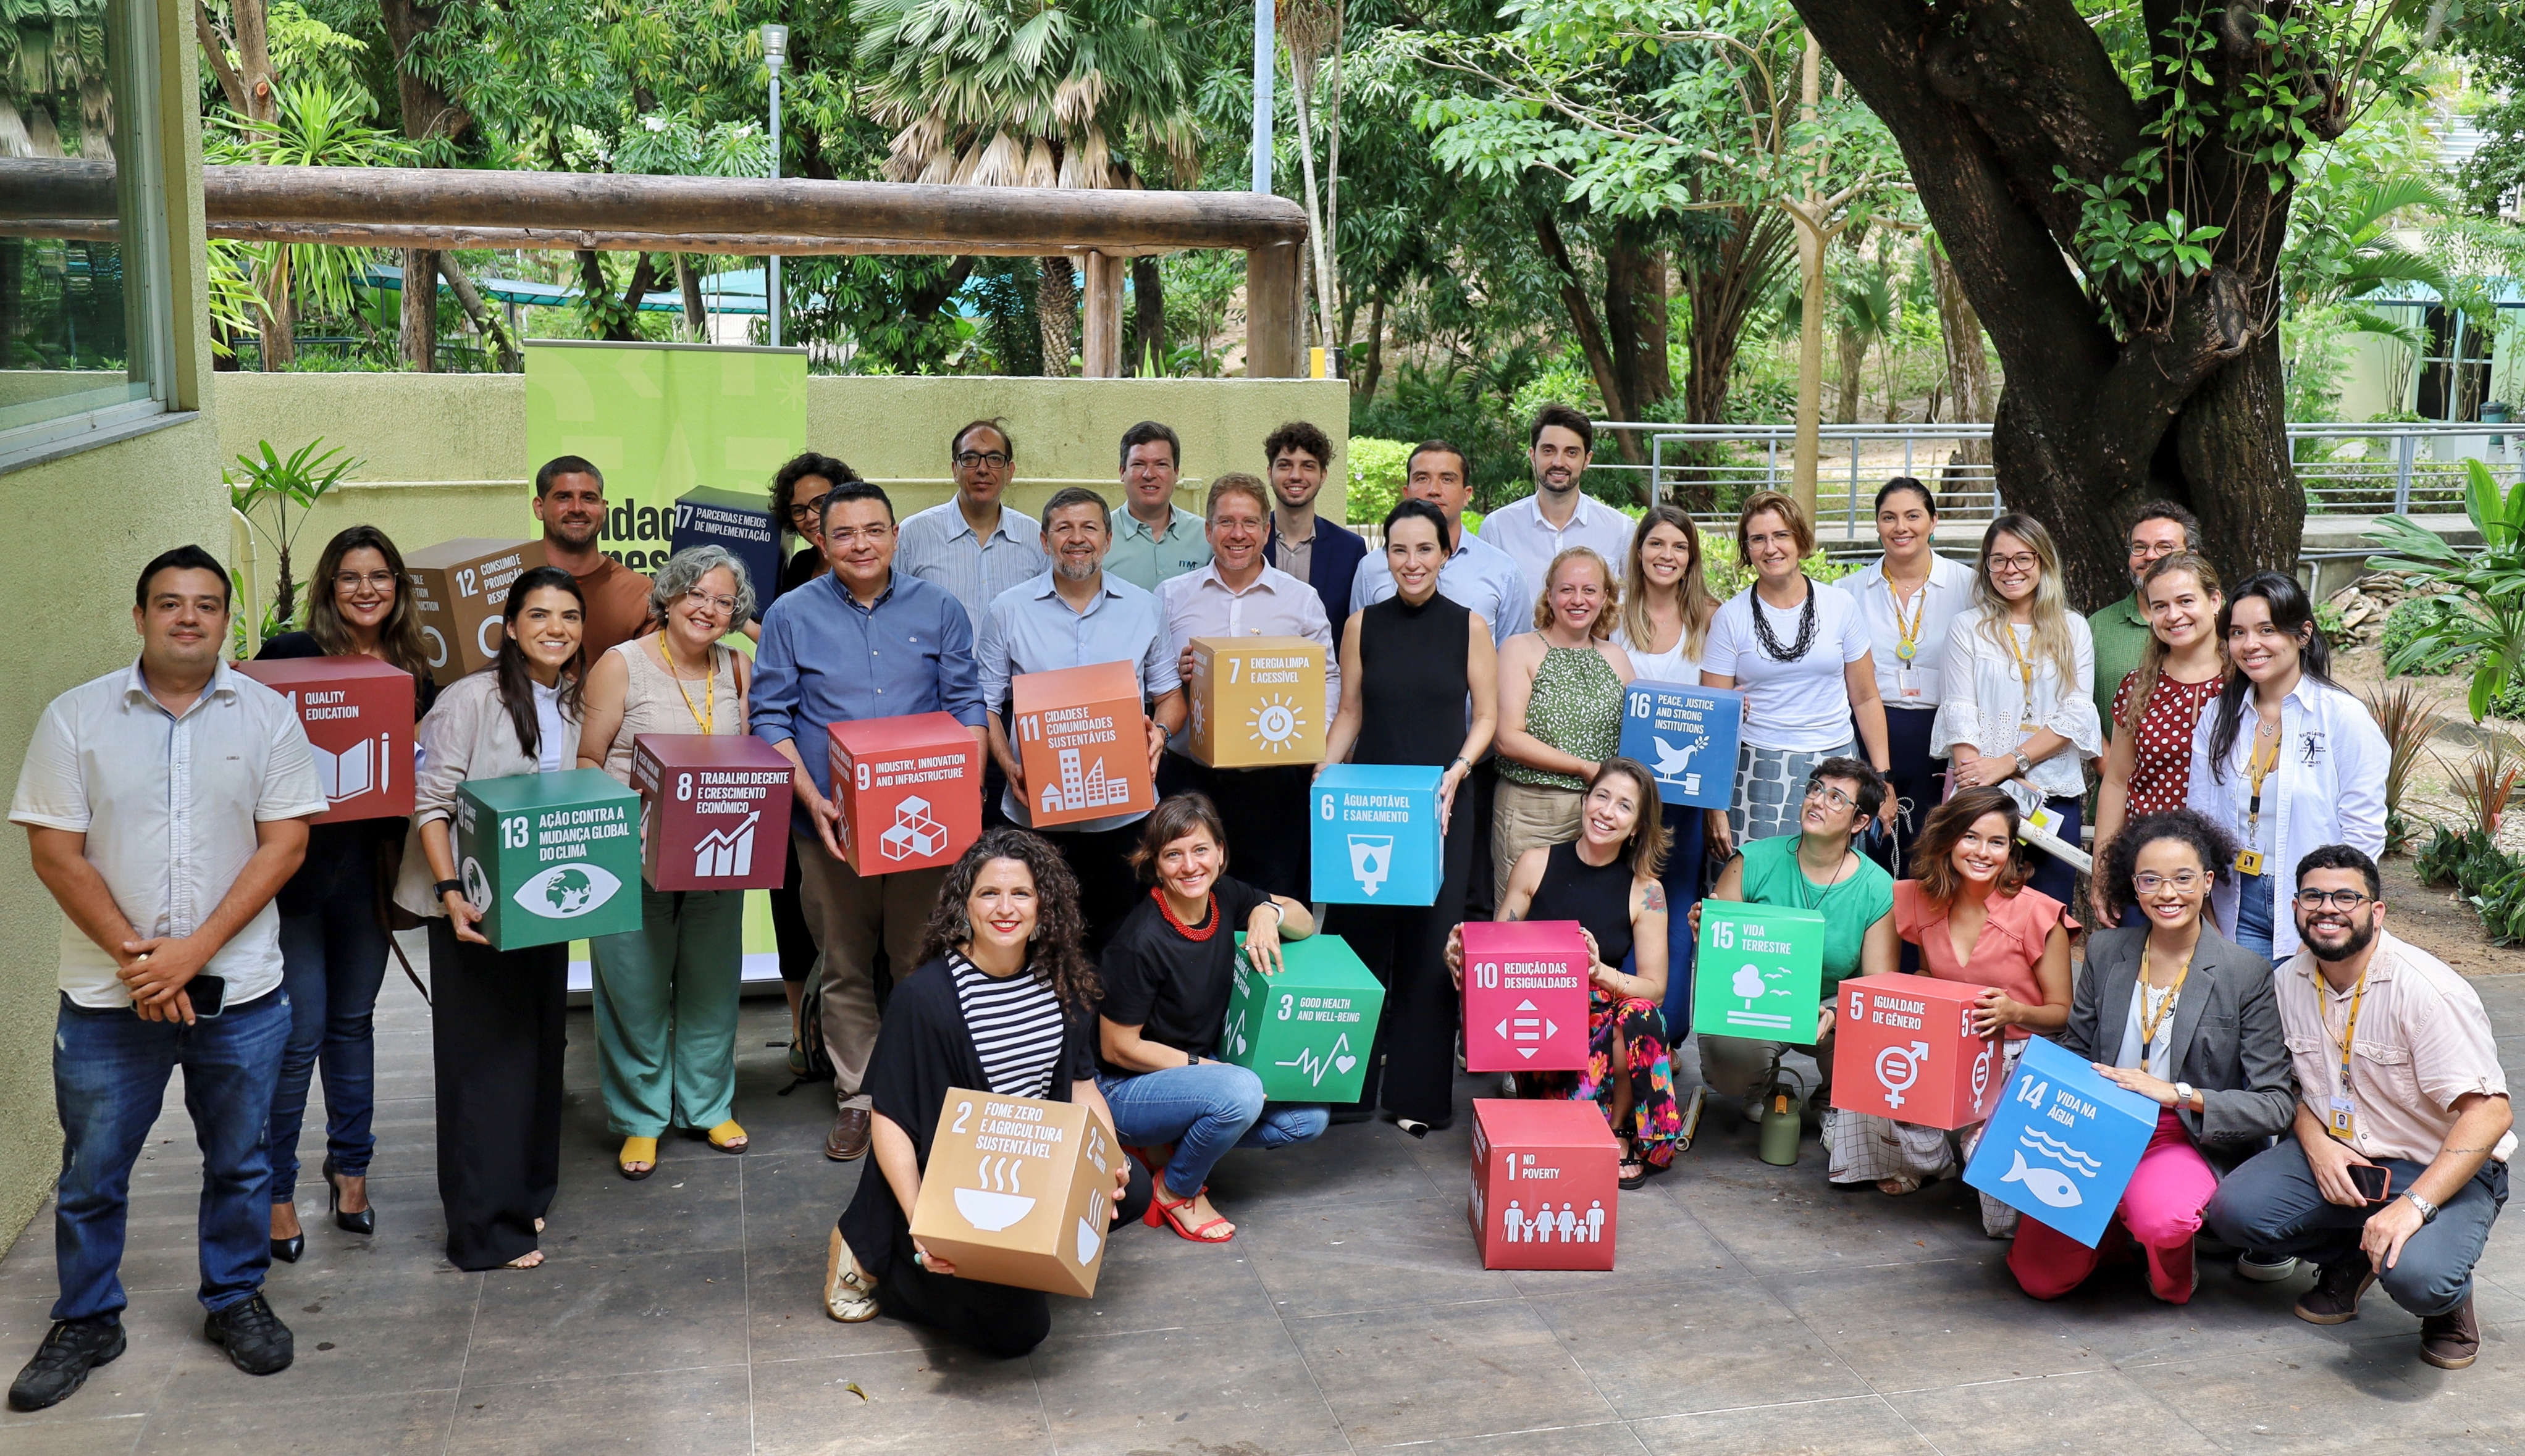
287,1250
362,1222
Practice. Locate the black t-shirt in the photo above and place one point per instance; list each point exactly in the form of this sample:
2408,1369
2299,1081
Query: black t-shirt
1174,990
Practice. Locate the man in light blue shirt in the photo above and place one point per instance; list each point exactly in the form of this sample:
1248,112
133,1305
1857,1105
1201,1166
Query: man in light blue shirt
974,545
1155,540
862,641
1477,575
1079,615
1559,515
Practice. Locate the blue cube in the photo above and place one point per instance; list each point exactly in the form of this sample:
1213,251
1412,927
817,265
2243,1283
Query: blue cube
739,521
2063,1143
1687,737
1376,838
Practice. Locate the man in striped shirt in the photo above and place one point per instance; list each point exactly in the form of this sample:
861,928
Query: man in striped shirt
974,545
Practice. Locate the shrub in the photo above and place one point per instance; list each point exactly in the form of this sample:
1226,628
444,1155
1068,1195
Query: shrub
1375,480
2411,619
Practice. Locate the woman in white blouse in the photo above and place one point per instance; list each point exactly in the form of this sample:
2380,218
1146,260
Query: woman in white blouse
2017,684
1664,624
1909,597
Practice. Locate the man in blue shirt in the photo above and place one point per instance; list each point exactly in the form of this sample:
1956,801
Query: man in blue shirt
1077,614
861,642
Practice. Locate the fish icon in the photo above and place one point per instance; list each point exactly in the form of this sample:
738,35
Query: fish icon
2049,1185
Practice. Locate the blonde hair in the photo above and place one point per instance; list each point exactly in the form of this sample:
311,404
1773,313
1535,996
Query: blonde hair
1602,628
2151,658
2051,639
1236,483
1790,514
1693,600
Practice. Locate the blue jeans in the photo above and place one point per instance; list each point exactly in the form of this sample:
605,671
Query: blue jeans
108,1081
2272,1204
2254,913
1204,1111
333,959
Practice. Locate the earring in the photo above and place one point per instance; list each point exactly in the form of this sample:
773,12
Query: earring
963,929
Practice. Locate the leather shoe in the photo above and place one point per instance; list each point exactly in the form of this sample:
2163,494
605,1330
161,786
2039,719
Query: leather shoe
62,1362
2334,1299
849,1138
2451,1341
256,1340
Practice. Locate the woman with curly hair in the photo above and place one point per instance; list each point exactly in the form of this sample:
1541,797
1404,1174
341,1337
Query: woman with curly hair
1004,1001
2186,1018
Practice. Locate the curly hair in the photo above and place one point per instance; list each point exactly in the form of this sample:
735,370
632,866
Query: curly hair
1933,854
1053,957
811,465
2215,847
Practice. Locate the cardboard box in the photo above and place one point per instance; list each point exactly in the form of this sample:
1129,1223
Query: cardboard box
2063,1142
1758,972
1083,739
1525,996
1905,1049
739,521
549,856
358,714
1256,701
1019,1191
460,588
713,810
1307,1030
1687,737
1547,1185
1375,838
909,791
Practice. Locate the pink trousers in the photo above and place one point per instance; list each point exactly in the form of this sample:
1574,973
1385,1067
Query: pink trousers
2160,1209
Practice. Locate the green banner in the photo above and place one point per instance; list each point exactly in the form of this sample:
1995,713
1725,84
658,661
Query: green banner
660,419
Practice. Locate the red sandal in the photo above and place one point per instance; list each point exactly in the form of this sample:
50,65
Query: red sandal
1165,1214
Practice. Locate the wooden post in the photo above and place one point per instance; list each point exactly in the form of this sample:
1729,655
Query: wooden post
1100,347
1272,311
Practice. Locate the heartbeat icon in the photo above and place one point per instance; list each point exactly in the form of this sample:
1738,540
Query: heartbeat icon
1312,1067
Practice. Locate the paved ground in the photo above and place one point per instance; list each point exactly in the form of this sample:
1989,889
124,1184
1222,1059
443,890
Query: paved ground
1754,1311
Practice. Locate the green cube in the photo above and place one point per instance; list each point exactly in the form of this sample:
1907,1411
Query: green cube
1759,972
1305,1031
549,856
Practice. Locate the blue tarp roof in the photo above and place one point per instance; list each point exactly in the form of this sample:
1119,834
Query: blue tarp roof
739,292
2507,292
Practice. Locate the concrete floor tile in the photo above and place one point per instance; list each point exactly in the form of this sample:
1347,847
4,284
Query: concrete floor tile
926,1399
2324,1398
158,1332
2099,1410
580,1317
1656,1239
1407,1373
1933,1324
1151,1279
674,1412
1331,1258
387,1423
1786,1221
1864,1425
687,1204
354,1332
98,1436
1599,1439
1660,1349
1183,1390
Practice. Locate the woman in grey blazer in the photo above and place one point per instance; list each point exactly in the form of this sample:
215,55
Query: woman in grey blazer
2179,1014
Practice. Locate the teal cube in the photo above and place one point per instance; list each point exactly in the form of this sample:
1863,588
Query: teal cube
1305,1031
549,856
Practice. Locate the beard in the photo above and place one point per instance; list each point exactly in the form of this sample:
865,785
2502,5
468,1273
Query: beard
1069,570
576,533
2359,936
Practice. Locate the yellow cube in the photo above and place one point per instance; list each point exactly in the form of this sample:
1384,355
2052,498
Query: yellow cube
1256,701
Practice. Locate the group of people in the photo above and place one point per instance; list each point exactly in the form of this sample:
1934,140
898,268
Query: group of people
1900,729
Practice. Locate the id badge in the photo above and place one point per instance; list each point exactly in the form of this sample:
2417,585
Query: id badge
2248,862
2342,1119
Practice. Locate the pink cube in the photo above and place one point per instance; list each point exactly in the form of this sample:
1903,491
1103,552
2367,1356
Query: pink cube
1525,996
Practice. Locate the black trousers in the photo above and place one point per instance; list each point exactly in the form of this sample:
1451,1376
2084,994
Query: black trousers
1108,885
1411,1069
497,1023
1918,783
998,1320
789,929
1481,897
1264,810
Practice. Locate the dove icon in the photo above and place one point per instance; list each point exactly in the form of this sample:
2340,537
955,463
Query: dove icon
1671,760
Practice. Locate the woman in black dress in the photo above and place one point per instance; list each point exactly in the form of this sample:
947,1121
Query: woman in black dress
1404,661
1003,1001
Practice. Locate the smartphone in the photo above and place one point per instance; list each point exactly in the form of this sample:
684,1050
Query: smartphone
2374,1184
210,995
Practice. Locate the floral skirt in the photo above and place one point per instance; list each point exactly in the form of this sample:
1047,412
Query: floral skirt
1655,1123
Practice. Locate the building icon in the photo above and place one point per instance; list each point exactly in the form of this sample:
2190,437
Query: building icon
1086,790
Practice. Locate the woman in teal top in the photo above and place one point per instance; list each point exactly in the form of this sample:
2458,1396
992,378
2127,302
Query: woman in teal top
1561,693
1820,868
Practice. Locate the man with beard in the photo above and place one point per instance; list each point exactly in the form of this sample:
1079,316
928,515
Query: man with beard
1558,515
1322,554
2400,1162
570,500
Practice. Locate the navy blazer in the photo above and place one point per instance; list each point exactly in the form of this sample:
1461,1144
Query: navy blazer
1336,562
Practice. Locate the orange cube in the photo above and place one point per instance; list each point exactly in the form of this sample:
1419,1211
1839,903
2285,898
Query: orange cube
1082,737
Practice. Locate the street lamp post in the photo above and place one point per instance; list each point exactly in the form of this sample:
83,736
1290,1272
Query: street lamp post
775,54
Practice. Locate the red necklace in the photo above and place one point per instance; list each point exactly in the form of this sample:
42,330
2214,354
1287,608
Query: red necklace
1209,915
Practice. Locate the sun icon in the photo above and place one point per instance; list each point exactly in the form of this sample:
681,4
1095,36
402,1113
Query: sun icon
1276,723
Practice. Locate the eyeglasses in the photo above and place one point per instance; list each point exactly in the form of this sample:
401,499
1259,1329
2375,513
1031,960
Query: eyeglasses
974,459
2181,881
2016,565
2153,548
701,601
807,509
1833,798
2329,900
352,581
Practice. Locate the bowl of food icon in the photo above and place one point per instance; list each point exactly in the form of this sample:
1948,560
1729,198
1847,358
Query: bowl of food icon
991,1212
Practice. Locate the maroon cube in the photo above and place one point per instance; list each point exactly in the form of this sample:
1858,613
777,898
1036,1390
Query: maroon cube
357,715
713,811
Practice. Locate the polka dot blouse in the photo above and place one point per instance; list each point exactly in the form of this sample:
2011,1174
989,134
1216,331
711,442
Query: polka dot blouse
2162,771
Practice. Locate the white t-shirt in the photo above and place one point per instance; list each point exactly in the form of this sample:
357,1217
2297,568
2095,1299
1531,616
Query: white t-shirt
1802,707
1673,665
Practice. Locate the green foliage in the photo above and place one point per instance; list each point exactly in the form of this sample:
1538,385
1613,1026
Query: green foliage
2490,880
667,145
2489,631
1375,483
2413,618
891,308
265,489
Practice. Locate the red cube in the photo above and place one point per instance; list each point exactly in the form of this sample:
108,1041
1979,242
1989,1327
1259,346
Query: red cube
357,715
1547,1185
1903,1048
1525,996
1082,737
909,789
713,810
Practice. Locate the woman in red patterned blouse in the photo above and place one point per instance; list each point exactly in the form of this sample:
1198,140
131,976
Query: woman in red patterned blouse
2148,766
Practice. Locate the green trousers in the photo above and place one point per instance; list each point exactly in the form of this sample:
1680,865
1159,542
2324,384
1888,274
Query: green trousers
666,1011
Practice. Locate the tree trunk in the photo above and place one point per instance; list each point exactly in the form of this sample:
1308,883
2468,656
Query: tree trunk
427,110
1055,313
487,323
1148,343
1967,366
1852,345
1635,326
688,281
419,311
280,343
249,85
1372,367
1725,286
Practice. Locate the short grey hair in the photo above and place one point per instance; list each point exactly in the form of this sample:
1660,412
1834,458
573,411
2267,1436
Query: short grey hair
684,571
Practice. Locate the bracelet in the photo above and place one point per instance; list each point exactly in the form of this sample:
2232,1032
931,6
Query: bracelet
1273,906
445,888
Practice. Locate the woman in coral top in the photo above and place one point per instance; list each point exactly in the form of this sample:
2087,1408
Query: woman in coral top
1973,921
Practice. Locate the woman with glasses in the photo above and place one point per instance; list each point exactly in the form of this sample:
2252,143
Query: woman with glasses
2171,1010
333,942
1561,689
1909,597
2309,772
1820,868
2147,762
1663,625
665,994
2019,706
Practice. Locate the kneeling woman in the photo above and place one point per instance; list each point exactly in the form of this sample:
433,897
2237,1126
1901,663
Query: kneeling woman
2181,1015
1003,1003
1167,975
1606,880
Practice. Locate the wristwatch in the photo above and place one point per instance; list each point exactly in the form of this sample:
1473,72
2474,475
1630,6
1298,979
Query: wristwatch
2024,766
444,887
2428,1211
2184,1094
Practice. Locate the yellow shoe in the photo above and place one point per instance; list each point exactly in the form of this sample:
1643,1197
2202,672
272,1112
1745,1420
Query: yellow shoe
728,1137
638,1157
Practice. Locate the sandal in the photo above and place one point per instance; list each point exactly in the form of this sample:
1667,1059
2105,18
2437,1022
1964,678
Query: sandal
1899,1187
1159,1210
1630,1171
640,1150
849,1296
728,1137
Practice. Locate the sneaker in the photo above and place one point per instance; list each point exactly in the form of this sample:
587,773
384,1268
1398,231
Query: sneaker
2264,1271
848,1297
2334,1299
256,1340
62,1362
2451,1341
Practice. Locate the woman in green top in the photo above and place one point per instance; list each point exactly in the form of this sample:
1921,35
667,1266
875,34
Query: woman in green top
1820,868
1560,694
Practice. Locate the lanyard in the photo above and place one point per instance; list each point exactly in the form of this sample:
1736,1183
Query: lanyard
2149,1022
708,714
2349,1032
2025,664
2261,767
1908,646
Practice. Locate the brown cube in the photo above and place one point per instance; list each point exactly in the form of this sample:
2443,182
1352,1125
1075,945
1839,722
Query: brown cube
713,810
1019,1191
460,588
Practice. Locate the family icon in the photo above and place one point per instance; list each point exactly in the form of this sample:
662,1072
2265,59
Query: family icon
1539,1226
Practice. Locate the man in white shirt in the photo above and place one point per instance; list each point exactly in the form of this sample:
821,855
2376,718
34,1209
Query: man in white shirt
1559,446
975,545
1237,595
1155,540
166,802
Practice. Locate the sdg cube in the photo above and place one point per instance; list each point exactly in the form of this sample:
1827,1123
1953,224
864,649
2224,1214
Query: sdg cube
1547,1185
1525,996
715,810
909,791
1019,1191
1758,973
357,715
2063,1143
1375,838
1083,739
738,520
1905,1049
549,856
1307,1030
458,586
1687,738
1256,701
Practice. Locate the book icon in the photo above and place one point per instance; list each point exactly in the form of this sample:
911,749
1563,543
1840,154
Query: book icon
358,769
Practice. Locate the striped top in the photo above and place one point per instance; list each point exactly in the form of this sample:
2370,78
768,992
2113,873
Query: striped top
1016,1025
938,546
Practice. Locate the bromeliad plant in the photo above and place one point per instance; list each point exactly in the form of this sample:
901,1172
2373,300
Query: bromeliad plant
2487,630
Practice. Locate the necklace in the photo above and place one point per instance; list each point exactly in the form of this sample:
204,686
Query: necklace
1209,915
1839,870
1908,632
2149,1021
708,714
1806,626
